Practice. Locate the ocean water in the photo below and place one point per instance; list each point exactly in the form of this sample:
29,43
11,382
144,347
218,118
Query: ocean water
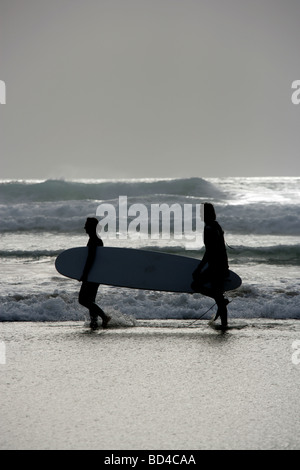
39,219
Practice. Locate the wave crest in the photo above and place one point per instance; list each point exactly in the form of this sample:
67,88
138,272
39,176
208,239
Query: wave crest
60,190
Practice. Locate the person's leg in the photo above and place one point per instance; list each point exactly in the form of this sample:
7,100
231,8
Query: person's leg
222,303
87,297
215,290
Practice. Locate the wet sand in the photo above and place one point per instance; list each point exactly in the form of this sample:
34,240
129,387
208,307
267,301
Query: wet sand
158,385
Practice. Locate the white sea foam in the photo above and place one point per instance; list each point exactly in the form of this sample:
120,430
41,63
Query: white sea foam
126,306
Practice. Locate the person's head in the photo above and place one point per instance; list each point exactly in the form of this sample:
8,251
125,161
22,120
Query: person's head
209,213
91,225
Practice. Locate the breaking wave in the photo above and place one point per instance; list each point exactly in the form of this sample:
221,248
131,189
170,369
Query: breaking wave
60,190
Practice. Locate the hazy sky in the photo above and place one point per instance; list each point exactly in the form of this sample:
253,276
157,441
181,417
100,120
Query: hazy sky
149,88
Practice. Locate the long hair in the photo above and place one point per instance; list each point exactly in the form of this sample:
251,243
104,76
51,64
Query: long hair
209,212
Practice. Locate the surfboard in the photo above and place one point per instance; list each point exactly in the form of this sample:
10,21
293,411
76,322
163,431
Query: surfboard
137,269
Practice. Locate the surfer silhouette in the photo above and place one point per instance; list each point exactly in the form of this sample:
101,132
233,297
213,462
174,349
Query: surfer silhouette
88,291
213,267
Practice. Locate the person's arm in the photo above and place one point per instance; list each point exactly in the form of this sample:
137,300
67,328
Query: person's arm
200,266
209,247
89,262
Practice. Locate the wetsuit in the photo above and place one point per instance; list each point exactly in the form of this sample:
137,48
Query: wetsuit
88,291
215,262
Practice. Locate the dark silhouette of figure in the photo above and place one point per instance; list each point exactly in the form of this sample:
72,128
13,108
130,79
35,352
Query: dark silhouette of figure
215,262
88,291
